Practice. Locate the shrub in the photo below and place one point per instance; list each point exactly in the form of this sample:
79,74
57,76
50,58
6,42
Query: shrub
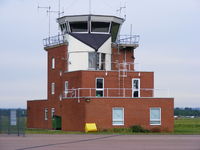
120,130
138,128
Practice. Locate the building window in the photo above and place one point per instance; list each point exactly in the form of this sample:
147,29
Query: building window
99,87
96,61
92,60
114,30
66,87
46,114
118,116
102,61
155,116
100,27
135,87
63,28
53,62
79,26
52,112
52,88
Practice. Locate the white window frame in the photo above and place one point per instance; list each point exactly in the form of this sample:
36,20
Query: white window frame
122,120
155,119
89,60
53,88
99,61
53,63
138,87
99,89
66,87
52,112
45,113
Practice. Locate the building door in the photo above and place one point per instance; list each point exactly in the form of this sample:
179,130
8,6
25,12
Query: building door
136,87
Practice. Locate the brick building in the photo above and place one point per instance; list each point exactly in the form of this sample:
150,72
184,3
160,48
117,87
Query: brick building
92,79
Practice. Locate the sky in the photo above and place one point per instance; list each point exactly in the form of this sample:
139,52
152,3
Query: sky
169,44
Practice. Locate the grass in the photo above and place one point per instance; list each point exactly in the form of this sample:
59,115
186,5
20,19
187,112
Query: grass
181,126
45,131
187,126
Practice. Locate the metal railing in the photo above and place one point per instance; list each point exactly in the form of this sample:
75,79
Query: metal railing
128,39
122,39
115,93
54,40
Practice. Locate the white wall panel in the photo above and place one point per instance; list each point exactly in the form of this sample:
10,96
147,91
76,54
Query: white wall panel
78,61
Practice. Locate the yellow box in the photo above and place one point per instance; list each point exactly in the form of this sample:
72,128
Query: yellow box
90,127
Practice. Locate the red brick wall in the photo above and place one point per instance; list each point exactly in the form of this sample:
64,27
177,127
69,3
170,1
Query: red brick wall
99,111
35,114
122,55
60,55
73,115
111,80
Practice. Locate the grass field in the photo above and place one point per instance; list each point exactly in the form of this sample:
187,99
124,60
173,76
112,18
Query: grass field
187,126
181,126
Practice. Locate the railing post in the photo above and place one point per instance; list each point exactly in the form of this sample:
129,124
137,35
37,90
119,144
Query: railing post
75,92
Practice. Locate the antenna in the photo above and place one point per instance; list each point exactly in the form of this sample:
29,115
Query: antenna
131,33
90,9
120,10
49,11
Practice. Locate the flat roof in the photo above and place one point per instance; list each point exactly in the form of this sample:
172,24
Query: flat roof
93,17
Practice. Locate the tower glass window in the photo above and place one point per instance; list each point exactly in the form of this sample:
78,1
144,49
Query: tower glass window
100,27
155,116
99,87
96,61
63,27
92,60
114,31
79,26
135,87
118,116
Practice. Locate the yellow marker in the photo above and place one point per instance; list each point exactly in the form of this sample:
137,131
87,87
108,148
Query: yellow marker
90,127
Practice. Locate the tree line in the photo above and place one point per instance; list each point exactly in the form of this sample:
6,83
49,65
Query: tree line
186,112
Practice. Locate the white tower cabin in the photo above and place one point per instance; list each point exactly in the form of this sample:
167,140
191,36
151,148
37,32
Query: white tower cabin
89,40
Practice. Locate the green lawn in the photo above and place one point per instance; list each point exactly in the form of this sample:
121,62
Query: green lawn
187,126
45,131
181,126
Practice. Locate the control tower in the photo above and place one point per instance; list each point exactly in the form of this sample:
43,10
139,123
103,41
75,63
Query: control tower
92,79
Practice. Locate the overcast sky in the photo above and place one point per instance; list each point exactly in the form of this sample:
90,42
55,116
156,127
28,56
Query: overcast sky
169,45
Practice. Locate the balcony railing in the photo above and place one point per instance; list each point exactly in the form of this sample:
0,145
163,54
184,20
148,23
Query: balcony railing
128,39
53,40
114,93
122,39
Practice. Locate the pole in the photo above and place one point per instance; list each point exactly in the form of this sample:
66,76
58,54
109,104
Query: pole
89,6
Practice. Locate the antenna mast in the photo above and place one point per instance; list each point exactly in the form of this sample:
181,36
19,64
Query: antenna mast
49,11
90,6
120,10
